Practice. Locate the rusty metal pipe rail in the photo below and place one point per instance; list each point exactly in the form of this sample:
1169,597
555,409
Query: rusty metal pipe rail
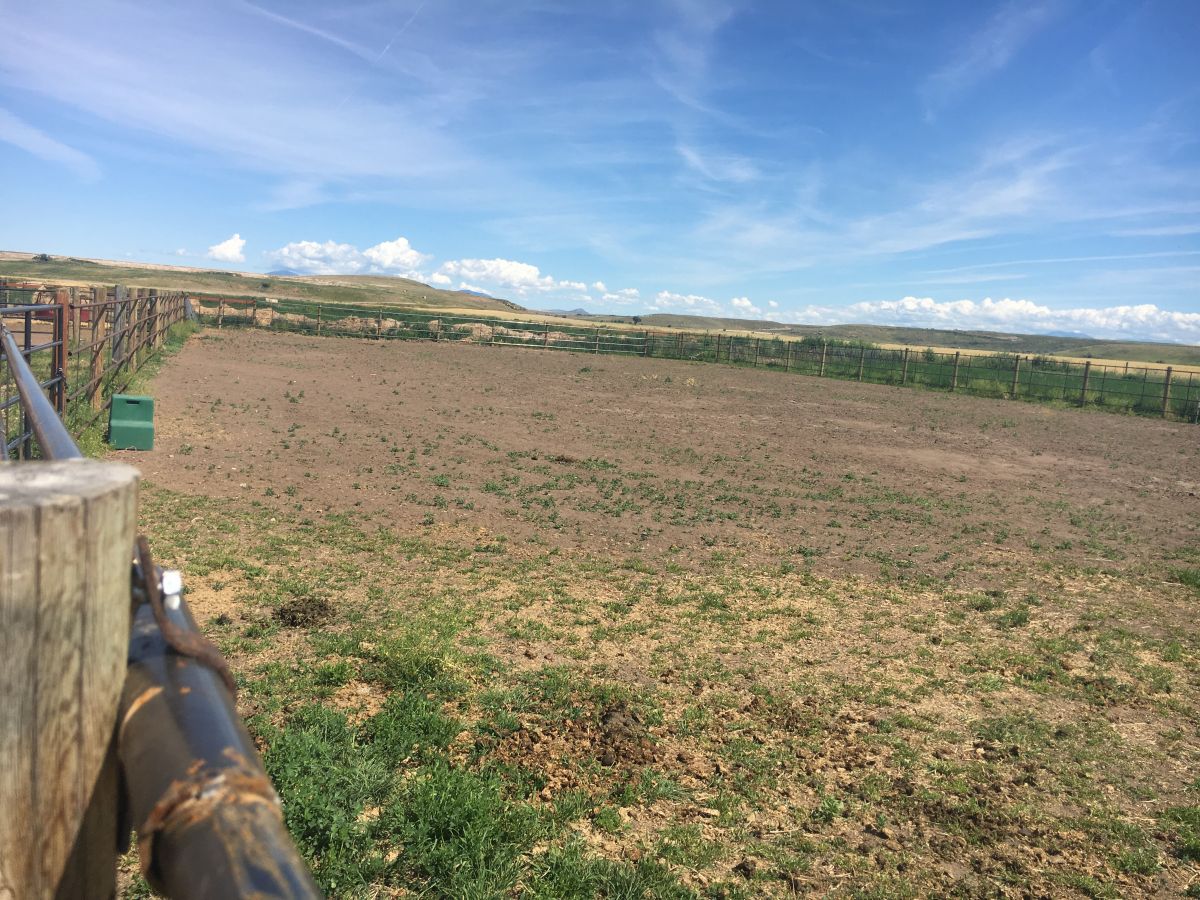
208,820
48,429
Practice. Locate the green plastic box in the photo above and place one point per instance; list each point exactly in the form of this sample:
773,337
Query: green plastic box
131,422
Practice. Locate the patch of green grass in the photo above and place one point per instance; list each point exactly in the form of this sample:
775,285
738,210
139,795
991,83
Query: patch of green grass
1188,576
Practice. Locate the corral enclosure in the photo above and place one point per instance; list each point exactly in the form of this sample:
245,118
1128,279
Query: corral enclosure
544,624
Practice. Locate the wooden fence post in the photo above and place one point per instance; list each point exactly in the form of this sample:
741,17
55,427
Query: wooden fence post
99,320
757,346
645,344
155,320
318,320
597,350
66,537
120,318
546,337
220,312
1016,382
904,368
862,358
1166,398
954,377
788,347
717,354
1087,376
824,348
379,324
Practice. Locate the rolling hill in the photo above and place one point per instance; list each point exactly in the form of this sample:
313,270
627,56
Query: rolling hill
390,291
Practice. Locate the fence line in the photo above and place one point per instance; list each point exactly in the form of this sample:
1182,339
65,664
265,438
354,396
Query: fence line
117,711
82,344
1144,390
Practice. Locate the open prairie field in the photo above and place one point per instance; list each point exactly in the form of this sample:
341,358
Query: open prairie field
516,623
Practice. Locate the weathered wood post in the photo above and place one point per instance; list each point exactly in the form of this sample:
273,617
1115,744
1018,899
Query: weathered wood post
99,319
862,358
645,344
220,312
1166,398
379,323
954,376
757,347
66,539
318,320
1087,376
824,349
156,328
597,350
904,368
1016,382
120,316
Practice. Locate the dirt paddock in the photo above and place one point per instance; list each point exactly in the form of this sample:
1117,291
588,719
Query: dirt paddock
652,454
881,642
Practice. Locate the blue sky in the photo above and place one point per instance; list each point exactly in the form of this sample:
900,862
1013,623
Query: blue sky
1016,166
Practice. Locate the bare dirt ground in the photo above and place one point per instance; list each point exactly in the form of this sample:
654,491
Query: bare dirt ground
653,455
857,640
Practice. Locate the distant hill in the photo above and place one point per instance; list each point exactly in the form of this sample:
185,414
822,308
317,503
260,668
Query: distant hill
388,291
360,290
283,272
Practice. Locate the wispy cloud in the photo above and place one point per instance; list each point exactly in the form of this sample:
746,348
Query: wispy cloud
721,167
988,51
309,29
1060,260
1160,231
23,135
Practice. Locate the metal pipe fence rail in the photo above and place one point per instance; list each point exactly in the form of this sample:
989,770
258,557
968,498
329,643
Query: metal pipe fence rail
1159,391
117,711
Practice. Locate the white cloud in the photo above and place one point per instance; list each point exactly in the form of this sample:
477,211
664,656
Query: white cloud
599,286
440,279
313,258
21,134
692,303
624,295
1144,321
743,305
228,250
508,275
772,304
396,257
